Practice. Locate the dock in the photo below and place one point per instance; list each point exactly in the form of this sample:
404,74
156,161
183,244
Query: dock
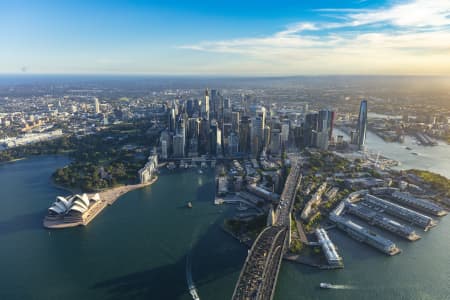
376,219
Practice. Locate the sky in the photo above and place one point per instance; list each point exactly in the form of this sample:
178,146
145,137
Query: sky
234,37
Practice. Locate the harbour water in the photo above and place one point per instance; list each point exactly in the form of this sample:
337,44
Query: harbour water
138,247
431,158
135,249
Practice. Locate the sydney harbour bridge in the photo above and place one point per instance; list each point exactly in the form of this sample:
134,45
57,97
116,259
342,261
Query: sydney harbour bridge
259,274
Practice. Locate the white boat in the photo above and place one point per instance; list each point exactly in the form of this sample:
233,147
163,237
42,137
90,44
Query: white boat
325,285
200,172
194,293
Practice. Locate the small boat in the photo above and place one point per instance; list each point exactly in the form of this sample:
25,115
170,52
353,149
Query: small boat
325,285
194,293
408,148
200,172
415,153
189,205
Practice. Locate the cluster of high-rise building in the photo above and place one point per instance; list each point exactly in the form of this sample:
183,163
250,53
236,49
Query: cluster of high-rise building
214,125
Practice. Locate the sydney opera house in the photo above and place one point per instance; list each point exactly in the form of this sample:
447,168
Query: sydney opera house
72,210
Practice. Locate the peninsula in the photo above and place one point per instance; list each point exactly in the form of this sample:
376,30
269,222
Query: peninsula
80,210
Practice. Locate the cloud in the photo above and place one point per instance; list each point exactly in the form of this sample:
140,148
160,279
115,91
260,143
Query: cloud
419,13
410,38
298,27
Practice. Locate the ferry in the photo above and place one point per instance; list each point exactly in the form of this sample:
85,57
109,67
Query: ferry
194,293
325,285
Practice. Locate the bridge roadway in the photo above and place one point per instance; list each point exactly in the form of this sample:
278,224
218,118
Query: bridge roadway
259,274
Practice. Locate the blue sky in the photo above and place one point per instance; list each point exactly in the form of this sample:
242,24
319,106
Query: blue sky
226,37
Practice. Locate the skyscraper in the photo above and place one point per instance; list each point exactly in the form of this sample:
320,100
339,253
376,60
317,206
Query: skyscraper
257,135
285,132
275,142
164,149
205,106
166,140
324,130
331,118
172,120
215,138
203,142
361,128
178,145
235,118
213,104
244,135
323,121
97,105
193,128
190,107
309,127
233,144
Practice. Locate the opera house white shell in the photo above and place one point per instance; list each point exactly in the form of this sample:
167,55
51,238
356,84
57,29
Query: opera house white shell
75,203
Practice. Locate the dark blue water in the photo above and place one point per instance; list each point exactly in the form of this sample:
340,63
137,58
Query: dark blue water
135,249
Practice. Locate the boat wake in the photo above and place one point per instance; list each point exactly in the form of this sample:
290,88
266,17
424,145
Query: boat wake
189,280
342,287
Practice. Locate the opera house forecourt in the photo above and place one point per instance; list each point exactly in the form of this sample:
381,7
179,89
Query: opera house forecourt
73,210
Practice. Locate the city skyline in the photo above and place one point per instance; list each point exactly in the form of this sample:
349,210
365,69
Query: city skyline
254,39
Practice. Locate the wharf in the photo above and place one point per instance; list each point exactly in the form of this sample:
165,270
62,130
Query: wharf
375,219
304,260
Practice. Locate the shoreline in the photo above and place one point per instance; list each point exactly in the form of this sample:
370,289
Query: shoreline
110,195
107,197
13,160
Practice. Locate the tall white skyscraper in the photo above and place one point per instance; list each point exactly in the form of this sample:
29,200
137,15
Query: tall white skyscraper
97,105
205,106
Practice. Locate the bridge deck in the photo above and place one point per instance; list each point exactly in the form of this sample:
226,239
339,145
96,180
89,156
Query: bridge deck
260,271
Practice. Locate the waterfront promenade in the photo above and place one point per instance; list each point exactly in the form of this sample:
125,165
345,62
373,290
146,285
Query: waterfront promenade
112,194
